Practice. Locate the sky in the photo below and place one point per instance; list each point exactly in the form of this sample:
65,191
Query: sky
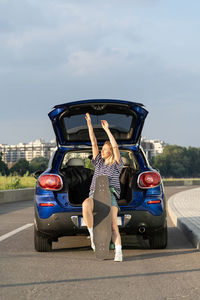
58,51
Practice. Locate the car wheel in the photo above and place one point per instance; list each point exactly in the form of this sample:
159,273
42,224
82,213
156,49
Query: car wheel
159,239
42,244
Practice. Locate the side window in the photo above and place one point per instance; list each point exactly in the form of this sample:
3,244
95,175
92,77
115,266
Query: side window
144,157
129,159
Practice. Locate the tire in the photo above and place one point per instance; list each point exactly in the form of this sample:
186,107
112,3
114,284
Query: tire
159,239
42,244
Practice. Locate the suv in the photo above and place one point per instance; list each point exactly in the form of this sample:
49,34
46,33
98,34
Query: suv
62,188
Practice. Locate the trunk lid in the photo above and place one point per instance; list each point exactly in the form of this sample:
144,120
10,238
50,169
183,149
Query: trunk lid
125,118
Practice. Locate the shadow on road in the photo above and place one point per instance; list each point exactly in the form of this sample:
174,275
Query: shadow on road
164,253
72,280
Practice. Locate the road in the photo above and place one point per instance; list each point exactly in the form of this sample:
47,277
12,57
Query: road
71,271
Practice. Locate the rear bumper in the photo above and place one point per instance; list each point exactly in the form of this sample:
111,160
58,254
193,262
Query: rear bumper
65,224
145,220
58,224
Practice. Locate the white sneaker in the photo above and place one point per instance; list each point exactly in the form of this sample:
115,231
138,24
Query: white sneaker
92,245
118,256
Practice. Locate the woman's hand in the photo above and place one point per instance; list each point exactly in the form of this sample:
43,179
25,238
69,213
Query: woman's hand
87,117
112,140
104,124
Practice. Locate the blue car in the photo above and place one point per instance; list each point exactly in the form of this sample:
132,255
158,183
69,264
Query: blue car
62,188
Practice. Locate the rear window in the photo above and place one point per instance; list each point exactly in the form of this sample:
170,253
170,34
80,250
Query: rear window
75,126
120,122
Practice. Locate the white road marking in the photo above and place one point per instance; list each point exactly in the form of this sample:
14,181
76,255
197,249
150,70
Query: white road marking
9,234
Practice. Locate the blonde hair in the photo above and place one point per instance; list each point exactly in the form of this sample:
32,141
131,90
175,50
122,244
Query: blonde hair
110,160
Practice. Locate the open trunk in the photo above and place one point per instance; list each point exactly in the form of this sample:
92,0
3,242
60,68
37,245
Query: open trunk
77,179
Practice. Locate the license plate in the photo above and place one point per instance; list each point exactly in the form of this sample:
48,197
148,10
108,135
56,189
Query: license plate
119,222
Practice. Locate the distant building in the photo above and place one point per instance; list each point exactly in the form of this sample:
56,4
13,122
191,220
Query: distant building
152,147
39,148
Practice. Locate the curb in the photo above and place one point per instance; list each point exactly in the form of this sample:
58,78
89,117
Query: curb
184,211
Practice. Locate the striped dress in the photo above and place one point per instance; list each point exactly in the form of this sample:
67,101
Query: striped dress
112,171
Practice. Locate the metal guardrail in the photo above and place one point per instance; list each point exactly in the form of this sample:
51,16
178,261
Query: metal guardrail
17,195
181,182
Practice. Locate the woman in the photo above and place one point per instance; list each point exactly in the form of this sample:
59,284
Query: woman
107,163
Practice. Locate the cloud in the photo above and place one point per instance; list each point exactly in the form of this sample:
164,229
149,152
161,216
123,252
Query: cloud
55,51
41,35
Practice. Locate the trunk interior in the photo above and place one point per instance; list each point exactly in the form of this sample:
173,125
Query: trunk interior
77,172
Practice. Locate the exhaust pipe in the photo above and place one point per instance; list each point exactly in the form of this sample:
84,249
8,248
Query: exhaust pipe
142,228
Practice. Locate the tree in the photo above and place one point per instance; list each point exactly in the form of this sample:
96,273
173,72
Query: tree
3,166
194,156
21,167
38,164
176,161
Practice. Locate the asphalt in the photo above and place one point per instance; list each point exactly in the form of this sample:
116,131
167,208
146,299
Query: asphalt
184,211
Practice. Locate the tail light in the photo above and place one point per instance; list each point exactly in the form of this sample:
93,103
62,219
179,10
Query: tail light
50,182
149,179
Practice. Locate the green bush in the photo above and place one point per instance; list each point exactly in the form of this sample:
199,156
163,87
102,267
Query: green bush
16,182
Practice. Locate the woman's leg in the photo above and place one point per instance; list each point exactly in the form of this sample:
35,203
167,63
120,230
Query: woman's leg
116,238
87,210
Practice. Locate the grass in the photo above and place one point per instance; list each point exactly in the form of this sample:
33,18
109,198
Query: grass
184,179
16,182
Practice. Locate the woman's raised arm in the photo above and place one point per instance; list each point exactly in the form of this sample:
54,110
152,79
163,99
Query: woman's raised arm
95,149
113,142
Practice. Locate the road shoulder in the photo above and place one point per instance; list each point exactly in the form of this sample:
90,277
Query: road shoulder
184,211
